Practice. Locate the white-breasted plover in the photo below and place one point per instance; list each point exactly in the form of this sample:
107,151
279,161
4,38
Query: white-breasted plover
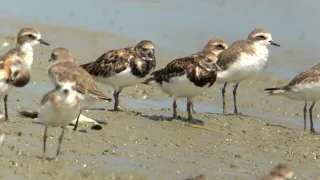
243,59
65,68
15,65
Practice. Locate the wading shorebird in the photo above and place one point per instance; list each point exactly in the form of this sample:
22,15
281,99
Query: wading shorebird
58,108
242,60
304,87
215,46
65,68
124,67
187,77
15,65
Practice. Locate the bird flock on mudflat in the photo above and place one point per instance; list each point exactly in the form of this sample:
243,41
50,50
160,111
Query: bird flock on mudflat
186,77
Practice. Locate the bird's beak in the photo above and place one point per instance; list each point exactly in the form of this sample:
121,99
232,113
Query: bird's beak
150,57
43,42
216,67
275,44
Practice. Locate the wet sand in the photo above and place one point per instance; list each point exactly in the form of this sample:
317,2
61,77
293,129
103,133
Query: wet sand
148,146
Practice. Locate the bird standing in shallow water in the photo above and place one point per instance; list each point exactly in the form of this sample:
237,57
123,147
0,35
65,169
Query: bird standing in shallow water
124,67
186,77
243,60
215,46
304,87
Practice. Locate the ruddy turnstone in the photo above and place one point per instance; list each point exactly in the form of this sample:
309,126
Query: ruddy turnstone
58,108
280,172
304,87
2,135
65,68
187,77
15,65
242,60
215,46
122,68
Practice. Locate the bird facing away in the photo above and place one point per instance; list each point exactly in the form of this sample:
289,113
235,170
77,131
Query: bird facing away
186,77
216,46
65,68
242,60
304,87
124,67
15,65
59,107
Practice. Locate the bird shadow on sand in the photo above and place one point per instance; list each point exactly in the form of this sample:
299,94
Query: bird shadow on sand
280,126
230,114
167,118
47,158
248,116
287,128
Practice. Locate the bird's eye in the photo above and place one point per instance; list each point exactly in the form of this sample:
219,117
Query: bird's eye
262,37
220,46
53,56
31,36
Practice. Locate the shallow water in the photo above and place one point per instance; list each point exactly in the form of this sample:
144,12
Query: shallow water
202,107
141,104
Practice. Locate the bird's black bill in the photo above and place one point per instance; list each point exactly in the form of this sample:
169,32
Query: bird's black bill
216,67
275,44
43,42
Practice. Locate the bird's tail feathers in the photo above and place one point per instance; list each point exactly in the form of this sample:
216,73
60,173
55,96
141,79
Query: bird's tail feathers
275,91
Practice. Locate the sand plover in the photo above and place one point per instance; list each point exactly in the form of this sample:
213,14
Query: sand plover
304,87
2,134
242,60
65,68
187,77
280,172
215,46
124,67
16,64
58,108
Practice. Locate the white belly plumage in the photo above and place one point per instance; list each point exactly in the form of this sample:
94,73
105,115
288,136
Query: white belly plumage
182,87
245,67
5,88
61,116
121,80
304,92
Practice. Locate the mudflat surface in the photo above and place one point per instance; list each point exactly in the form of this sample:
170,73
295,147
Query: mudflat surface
147,145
